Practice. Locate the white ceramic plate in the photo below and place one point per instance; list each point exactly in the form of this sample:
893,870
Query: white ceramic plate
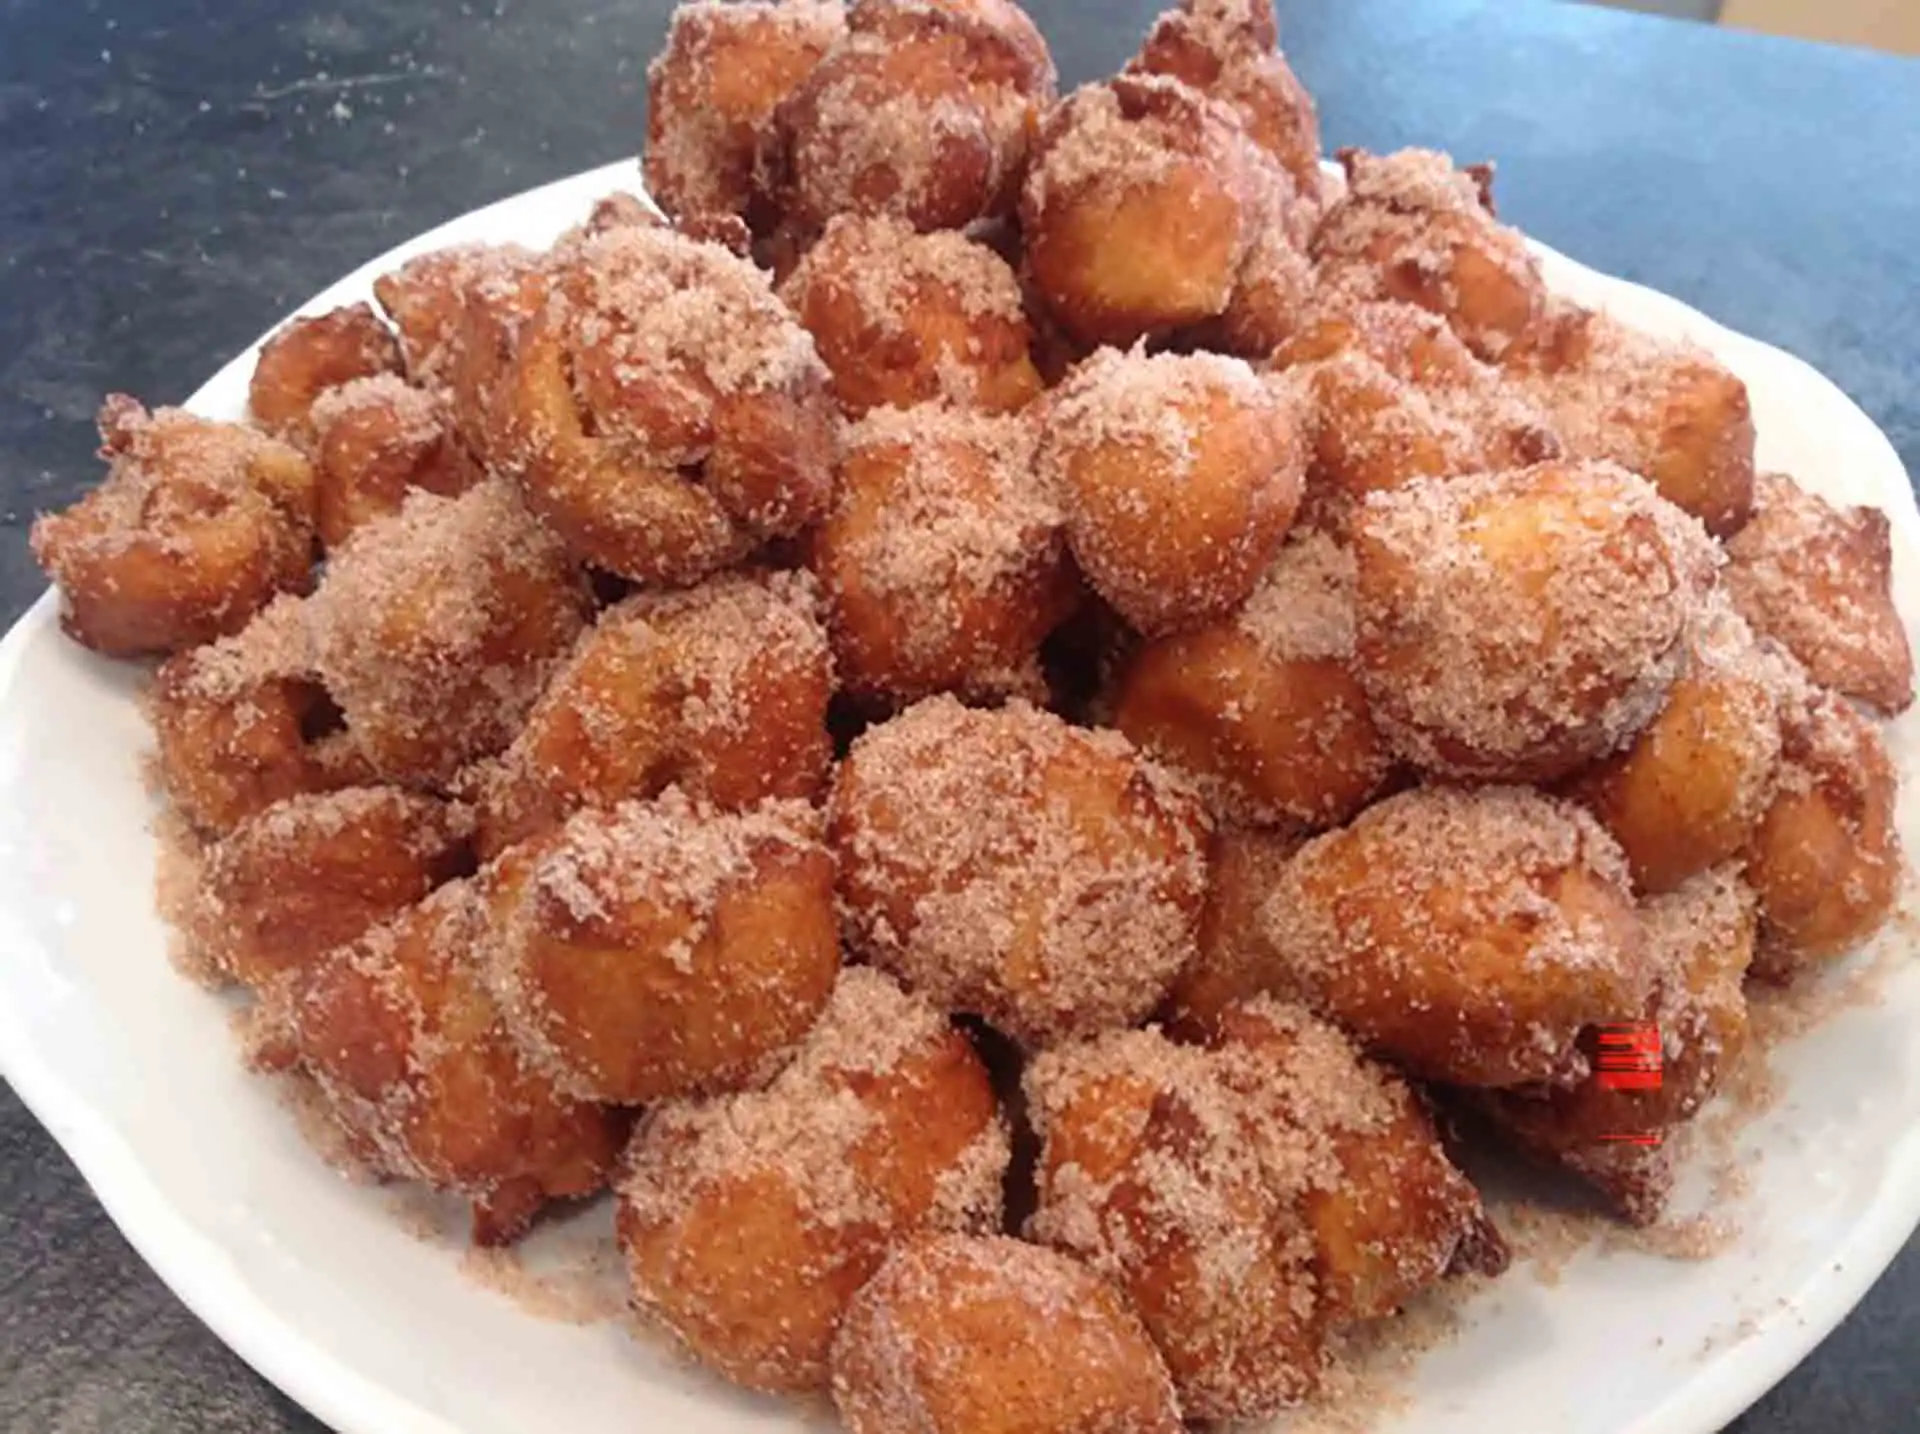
377,1331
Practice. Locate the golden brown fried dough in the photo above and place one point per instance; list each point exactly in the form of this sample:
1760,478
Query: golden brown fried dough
196,527
309,356
374,441
664,948
435,629
668,413
1515,626
721,689
1470,935
318,870
1180,475
751,1221
985,1335
1687,794
1262,711
1319,1172
943,559
1232,960
1040,875
1819,581
903,318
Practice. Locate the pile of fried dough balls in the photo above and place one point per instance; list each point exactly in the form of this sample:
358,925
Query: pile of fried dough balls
1004,622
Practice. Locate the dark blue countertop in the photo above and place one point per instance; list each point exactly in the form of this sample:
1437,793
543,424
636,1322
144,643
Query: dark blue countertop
174,176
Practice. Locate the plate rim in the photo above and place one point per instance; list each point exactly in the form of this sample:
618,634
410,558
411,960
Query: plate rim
199,1272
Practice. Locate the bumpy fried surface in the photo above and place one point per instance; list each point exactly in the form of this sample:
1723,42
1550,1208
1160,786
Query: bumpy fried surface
1819,580
665,948
1233,960
979,1335
711,96
435,629
1826,858
1688,792
1470,935
1005,863
1412,227
943,559
243,723
1180,475
374,441
1665,410
751,1221
1262,711
1611,1132
1251,1196
721,690
1142,204
413,1058
1515,626
196,527
316,871
925,112
903,318
669,413
308,356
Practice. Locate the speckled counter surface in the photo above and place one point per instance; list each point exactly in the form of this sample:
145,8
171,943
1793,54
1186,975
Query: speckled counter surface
175,175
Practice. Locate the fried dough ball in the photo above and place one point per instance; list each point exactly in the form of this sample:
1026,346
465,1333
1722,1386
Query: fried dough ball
1687,794
1262,710
1320,1172
426,299
374,441
435,629
196,527
1666,410
1274,290
721,689
1232,959
1141,206
412,1057
943,559
1609,1132
318,870
1819,581
711,96
985,1335
1826,858
1414,228
924,112
1180,475
243,723
751,1221
1225,49
670,413
1004,863
664,948
310,355
1470,935
903,318
1515,626
1397,397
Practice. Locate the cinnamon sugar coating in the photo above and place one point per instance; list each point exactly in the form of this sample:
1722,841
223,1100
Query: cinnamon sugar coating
1470,935
664,949
374,441
750,1221
1004,863
1253,1196
1514,626
943,560
307,357
1818,579
196,527
960,1334
721,689
1180,476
